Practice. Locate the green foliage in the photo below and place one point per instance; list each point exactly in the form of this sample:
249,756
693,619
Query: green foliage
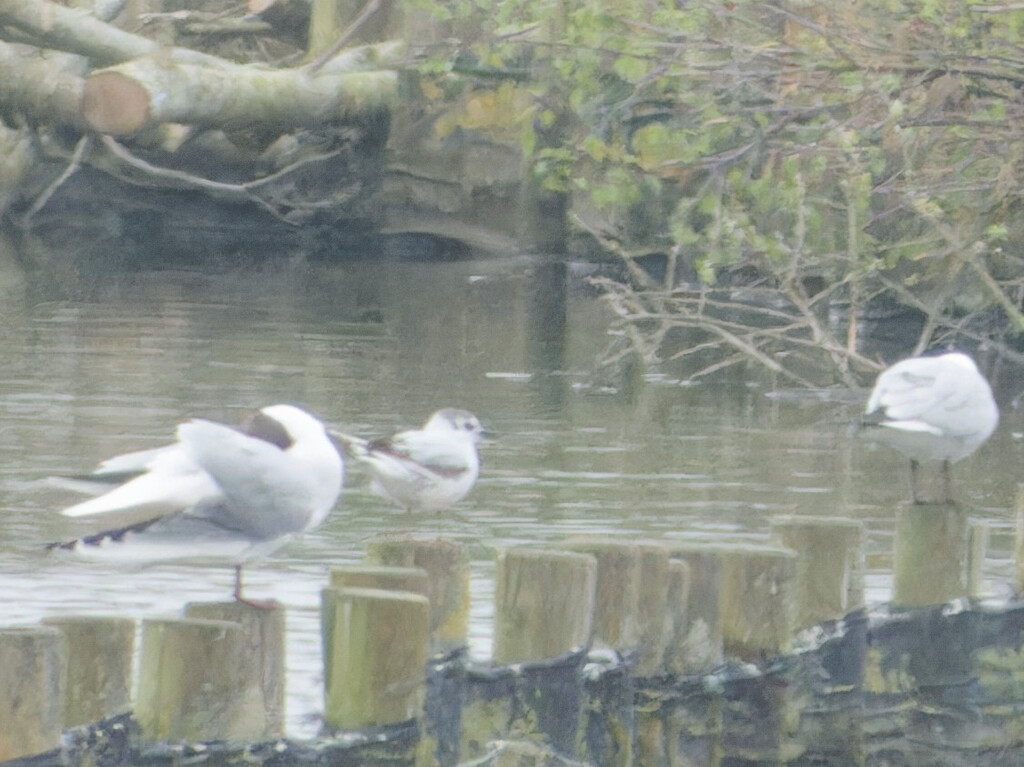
870,145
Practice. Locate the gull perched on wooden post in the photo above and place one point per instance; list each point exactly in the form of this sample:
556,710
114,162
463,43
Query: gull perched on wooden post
426,469
931,409
217,494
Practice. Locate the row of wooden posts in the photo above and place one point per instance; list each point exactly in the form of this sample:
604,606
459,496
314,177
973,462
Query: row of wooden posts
671,607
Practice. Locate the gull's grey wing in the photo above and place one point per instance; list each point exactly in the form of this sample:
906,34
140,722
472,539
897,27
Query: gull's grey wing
264,491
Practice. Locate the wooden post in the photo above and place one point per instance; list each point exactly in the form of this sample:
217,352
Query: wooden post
829,579
263,630
414,579
378,658
609,714
757,600
447,569
678,612
192,679
698,646
630,598
99,678
544,604
977,547
33,662
411,579
930,555
652,608
615,621
657,622
486,707
1019,554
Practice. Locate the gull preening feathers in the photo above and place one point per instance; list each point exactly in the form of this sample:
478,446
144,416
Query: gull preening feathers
931,409
217,494
426,469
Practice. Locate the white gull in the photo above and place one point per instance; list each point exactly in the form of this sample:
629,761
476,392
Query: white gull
218,494
426,469
931,409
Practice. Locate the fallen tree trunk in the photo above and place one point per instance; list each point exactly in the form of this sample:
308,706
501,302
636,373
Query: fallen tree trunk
47,86
143,93
49,25
150,84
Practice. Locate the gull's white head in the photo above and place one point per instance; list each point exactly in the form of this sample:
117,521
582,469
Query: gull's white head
311,453
457,422
284,425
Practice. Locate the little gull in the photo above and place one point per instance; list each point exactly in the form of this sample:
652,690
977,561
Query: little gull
931,409
217,494
425,469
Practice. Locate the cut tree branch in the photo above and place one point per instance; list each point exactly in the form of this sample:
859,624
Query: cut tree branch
143,93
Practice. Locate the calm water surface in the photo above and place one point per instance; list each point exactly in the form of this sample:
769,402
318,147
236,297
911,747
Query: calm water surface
374,349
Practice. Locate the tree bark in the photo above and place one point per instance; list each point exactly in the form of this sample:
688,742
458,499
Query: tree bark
143,93
75,31
46,85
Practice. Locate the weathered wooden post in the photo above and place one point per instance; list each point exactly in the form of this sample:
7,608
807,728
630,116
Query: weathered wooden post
192,681
263,629
977,548
33,661
930,555
411,579
414,579
758,602
615,619
740,598
378,657
1019,554
698,645
447,569
654,621
758,606
829,578
609,722
99,677
608,726
544,604
695,724
829,585
652,608
679,584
